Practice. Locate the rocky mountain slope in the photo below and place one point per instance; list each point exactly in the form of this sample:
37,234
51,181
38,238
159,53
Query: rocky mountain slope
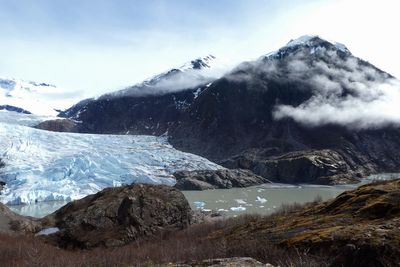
310,95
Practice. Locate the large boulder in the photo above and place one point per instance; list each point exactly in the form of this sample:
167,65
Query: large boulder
119,215
216,179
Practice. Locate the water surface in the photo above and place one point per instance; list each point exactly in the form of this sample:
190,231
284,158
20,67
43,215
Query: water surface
262,199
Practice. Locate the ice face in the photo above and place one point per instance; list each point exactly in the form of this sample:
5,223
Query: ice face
47,166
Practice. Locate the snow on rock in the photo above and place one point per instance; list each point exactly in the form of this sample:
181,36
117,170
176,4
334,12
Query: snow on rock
311,41
308,40
198,72
37,98
48,166
48,231
301,40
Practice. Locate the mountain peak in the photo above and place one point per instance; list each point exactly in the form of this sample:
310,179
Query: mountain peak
315,40
199,63
312,42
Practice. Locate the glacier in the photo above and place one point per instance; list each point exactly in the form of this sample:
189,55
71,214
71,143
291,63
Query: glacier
50,166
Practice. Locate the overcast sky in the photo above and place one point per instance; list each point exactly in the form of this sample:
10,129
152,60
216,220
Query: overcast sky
101,45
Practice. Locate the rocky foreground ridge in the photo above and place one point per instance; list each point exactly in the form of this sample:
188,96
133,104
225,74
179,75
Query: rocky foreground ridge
360,227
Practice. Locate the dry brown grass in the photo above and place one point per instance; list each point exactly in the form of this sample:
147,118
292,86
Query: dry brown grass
190,244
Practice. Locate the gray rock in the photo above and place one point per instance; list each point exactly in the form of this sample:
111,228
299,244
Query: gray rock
202,216
216,179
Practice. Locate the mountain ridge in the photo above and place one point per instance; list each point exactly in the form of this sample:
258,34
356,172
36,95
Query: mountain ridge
306,97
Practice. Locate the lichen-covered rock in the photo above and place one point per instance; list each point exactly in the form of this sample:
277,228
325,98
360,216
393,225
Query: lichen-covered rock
216,179
116,216
360,227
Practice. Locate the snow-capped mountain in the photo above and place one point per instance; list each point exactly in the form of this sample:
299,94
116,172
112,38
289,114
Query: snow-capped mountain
36,98
44,166
191,74
152,104
313,42
311,94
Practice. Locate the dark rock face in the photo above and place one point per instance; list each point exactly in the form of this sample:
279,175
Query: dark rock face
116,216
233,117
216,179
314,167
59,125
2,184
152,115
15,109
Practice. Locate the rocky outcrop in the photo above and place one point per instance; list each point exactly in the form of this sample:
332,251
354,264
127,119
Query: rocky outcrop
207,216
310,166
216,179
227,262
116,216
58,125
10,222
358,228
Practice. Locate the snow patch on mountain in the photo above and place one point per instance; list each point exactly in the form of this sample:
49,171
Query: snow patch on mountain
311,41
37,98
308,40
194,73
47,166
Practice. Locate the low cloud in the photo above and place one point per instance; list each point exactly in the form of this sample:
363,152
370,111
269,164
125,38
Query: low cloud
345,90
173,81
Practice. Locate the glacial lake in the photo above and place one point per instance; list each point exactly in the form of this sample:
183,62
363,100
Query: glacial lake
262,199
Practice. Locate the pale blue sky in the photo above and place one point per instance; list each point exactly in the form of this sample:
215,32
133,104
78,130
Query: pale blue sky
101,45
